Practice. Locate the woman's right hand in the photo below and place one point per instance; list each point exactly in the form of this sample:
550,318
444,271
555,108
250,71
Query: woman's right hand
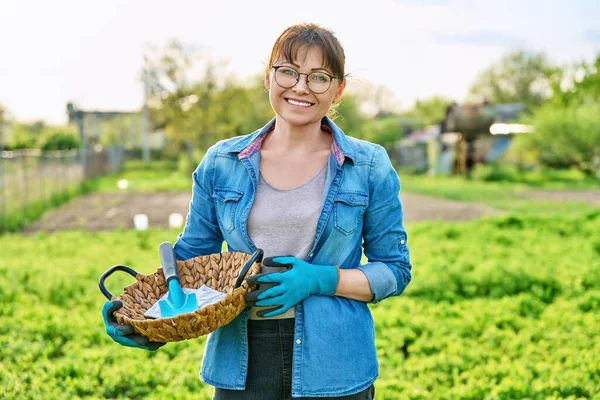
124,334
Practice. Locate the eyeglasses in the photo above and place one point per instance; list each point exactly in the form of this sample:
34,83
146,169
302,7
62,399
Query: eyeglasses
288,77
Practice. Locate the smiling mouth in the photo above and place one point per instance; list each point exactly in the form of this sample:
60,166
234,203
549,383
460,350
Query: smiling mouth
298,103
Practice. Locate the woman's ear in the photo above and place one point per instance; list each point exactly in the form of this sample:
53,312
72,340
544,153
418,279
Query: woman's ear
340,91
268,80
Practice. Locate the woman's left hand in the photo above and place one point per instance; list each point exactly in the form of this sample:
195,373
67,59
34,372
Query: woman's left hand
294,285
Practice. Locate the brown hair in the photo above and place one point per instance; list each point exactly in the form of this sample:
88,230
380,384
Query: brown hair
296,36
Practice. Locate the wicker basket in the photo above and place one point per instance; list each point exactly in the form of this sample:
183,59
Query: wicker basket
224,272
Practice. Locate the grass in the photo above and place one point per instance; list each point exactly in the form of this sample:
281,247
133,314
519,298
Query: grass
157,176
507,196
18,218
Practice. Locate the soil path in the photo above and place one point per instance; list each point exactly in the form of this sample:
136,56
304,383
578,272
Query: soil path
585,196
102,211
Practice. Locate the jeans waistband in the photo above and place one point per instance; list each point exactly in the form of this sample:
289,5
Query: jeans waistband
271,327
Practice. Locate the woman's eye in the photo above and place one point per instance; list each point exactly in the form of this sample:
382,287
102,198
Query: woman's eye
319,77
288,71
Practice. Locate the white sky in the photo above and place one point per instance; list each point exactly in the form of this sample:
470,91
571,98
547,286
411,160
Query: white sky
90,52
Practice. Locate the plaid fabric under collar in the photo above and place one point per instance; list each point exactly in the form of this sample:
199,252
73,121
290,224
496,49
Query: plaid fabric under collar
256,144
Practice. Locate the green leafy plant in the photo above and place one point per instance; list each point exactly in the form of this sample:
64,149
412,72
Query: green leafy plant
503,308
568,136
59,138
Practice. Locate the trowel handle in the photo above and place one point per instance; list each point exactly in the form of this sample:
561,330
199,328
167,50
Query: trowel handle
168,261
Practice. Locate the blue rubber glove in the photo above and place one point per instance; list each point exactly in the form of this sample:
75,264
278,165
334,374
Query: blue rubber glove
294,285
124,334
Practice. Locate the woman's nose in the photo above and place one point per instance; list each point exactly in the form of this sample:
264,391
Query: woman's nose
302,85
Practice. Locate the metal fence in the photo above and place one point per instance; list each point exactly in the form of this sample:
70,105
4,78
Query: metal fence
28,176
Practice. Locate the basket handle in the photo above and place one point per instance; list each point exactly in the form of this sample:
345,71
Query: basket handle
109,272
256,256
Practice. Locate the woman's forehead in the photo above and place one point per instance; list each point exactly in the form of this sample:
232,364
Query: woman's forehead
305,55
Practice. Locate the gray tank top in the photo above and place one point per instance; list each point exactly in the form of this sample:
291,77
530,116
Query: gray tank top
284,222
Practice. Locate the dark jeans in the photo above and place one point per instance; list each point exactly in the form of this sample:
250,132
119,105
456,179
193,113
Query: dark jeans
269,377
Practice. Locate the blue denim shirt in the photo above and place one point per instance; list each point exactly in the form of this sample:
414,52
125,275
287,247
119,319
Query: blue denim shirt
334,353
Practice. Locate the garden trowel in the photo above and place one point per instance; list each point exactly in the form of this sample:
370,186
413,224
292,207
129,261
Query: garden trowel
177,301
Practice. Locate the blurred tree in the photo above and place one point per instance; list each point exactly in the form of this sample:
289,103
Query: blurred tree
123,130
567,136
39,135
350,119
196,112
59,138
2,127
518,77
576,84
429,111
567,127
386,131
25,135
376,100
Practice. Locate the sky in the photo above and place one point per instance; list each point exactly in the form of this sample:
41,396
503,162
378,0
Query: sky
91,52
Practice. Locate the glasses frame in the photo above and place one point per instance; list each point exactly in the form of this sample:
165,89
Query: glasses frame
276,67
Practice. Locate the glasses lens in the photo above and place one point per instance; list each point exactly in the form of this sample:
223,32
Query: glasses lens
286,77
318,82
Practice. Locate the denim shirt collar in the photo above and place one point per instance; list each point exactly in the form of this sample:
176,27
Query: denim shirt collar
340,147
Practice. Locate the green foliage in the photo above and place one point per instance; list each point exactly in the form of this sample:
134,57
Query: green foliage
59,138
24,136
504,172
350,120
197,111
430,111
576,84
507,193
188,162
156,176
39,135
566,126
495,311
386,131
567,136
124,130
518,77
19,219
4,126
496,172
52,337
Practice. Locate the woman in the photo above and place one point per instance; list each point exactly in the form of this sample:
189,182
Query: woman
309,196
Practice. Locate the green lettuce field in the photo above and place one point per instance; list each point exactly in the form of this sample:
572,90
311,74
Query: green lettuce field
502,308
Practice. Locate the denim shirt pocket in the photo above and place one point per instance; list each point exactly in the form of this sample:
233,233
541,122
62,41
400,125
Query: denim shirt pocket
348,210
226,203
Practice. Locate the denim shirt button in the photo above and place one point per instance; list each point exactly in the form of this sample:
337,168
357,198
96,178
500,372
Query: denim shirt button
298,341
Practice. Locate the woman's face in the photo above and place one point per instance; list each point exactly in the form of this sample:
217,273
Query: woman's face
298,105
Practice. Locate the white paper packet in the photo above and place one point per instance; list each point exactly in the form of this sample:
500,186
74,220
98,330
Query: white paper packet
204,297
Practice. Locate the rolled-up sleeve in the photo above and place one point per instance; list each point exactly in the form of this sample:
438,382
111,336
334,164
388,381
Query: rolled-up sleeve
201,234
385,242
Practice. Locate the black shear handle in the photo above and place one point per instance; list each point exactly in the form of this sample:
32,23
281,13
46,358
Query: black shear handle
109,272
255,257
